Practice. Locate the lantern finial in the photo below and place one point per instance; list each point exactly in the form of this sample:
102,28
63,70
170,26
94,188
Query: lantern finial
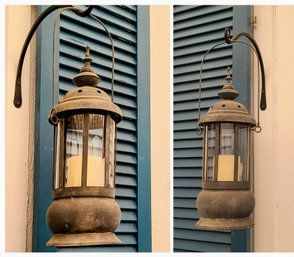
228,92
87,77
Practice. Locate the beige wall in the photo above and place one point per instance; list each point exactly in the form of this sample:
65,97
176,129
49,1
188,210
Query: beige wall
274,146
160,127
18,22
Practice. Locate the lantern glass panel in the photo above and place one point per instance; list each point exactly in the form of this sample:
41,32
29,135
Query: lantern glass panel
226,157
76,127
73,150
209,157
96,158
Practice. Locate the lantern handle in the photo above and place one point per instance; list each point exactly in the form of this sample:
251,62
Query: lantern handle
199,129
112,52
230,39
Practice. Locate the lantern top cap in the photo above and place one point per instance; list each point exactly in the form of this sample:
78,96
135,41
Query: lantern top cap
228,110
228,91
87,77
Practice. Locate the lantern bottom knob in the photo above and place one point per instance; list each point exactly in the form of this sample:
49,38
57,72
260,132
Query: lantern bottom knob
83,239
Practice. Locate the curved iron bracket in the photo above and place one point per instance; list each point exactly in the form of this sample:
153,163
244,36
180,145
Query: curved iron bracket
17,91
230,39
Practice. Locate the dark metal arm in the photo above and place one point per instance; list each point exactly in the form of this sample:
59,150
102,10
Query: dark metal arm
17,92
230,40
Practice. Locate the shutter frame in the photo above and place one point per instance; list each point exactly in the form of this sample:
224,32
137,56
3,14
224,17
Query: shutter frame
207,24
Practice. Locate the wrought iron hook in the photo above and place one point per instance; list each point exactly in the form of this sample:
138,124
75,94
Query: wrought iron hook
17,91
230,39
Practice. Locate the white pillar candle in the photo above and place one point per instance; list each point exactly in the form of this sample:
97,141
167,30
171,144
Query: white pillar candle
226,168
95,171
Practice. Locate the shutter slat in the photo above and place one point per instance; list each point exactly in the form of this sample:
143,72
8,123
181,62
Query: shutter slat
91,27
190,12
124,192
106,15
187,173
202,25
126,181
74,60
124,12
199,235
212,83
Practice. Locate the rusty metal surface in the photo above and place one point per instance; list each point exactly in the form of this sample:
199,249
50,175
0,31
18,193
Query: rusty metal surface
78,215
83,191
225,209
225,224
226,185
228,110
83,239
85,98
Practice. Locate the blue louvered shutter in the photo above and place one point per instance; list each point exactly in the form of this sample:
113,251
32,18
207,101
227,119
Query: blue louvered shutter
75,33
196,29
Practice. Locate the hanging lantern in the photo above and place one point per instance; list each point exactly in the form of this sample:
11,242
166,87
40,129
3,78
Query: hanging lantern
226,201
84,211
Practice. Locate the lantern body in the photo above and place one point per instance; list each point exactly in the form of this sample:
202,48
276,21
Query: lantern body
84,211
226,201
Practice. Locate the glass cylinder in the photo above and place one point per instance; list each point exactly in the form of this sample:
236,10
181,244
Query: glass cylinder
226,152
85,151
73,150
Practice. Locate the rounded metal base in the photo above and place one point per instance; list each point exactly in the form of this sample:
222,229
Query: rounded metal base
225,224
83,239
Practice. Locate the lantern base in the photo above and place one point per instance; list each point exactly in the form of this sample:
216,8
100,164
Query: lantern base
83,239
225,224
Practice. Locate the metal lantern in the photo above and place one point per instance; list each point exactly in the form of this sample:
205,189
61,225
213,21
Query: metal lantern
84,211
226,201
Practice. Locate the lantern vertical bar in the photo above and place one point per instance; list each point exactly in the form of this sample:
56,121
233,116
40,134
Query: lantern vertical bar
217,151
85,149
114,165
204,160
55,169
107,149
62,152
248,155
236,151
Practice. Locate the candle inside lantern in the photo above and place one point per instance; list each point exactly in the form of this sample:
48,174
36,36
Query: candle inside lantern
226,168
95,171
